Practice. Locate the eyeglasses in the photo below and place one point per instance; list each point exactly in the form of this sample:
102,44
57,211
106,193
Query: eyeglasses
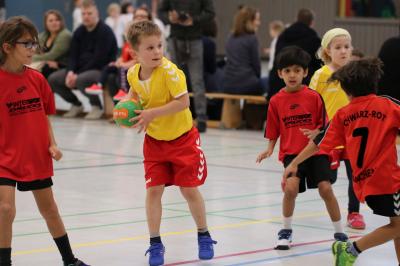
29,44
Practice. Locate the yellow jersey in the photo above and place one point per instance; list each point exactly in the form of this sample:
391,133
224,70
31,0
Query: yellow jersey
332,93
166,83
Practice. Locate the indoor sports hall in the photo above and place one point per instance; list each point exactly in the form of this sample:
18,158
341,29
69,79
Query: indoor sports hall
99,188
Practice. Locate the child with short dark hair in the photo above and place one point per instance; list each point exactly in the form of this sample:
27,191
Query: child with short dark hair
27,143
368,128
293,109
172,151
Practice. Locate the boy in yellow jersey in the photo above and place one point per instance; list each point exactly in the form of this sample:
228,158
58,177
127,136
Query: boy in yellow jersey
171,149
336,50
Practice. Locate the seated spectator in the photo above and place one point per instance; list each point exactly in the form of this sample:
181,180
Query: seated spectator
114,74
54,42
115,22
76,15
243,66
93,46
127,10
356,54
276,27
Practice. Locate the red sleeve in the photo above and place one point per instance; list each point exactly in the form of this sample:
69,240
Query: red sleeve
322,119
272,128
48,98
334,135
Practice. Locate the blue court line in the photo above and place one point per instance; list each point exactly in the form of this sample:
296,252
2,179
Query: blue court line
282,257
95,166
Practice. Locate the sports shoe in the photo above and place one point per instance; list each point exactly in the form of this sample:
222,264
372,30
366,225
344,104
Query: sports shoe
206,249
74,111
94,89
120,95
284,239
77,263
340,237
156,251
341,254
95,113
355,221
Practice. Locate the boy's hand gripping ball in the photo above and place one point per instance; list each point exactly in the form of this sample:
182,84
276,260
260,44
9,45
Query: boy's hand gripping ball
124,111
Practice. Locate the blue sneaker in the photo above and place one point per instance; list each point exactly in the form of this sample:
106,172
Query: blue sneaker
156,251
284,239
206,249
341,237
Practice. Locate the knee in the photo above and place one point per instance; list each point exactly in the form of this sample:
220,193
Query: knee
7,211
291,193
325,191
154,194
190,194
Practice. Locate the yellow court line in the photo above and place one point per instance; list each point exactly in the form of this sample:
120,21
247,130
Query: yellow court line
141,237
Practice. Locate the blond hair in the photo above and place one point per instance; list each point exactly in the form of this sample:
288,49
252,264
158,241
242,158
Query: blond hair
141,29
326,42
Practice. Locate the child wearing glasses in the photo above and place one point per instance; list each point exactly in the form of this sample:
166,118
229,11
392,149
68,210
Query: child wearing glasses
26,159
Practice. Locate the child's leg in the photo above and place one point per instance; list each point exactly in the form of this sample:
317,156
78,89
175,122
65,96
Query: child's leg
7,215
48,209
354,203
289,198
154,209
397,247
381,235
196,206
332,206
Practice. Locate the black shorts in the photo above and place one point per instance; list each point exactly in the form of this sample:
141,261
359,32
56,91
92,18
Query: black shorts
387,205
312,171
27,186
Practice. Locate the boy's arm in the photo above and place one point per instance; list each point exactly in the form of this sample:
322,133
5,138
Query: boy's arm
56,154
146,116
268,152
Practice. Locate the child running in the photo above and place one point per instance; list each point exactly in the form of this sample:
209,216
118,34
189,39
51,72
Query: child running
368,128
293,108
171,149
27,143
335,52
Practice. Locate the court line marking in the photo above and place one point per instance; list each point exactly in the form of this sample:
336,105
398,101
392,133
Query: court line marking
172,233
255,252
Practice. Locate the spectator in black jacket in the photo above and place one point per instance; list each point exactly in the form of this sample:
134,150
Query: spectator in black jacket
390,56
186,47
93,46
300,34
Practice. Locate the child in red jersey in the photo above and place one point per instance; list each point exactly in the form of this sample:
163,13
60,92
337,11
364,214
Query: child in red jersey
27,144
293,109
367,127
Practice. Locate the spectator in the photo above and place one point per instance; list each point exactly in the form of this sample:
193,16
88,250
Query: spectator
127,11
390,56
115,22
243,66
356,54
77,15
275,29
300,34
93,46
54,42
186,18
114,75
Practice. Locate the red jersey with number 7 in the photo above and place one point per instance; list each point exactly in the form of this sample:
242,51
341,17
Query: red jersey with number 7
368,128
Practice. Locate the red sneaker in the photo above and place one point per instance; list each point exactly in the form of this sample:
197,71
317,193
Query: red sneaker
120,95
355,221
95,89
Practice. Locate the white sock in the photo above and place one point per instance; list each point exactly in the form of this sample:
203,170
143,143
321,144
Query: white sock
338,226
287,222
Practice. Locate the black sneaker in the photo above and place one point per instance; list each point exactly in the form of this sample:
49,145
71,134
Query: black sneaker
77,263
202,126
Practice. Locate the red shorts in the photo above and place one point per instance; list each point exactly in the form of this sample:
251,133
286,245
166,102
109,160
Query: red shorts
180,162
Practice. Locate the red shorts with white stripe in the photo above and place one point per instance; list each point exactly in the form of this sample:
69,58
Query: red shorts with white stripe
180,162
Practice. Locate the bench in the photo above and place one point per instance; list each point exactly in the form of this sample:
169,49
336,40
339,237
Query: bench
231,116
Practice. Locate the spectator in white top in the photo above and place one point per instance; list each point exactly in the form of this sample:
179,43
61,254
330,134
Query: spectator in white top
77,15
275,29
115,22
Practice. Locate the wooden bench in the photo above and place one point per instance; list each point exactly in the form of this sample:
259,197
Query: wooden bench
231,116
